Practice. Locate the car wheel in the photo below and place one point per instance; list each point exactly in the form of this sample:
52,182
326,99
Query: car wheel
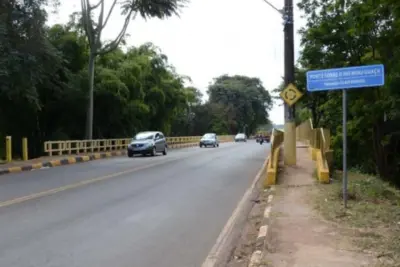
153,152
165,151
130,154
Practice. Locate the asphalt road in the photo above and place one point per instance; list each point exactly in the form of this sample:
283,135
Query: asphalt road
143,212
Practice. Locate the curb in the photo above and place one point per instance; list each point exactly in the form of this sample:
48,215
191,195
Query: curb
61,162
79,159
262,240
225,243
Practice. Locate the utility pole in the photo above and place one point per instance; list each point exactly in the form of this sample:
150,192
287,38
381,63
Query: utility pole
289,141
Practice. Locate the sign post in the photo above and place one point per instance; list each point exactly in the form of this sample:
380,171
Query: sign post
345,79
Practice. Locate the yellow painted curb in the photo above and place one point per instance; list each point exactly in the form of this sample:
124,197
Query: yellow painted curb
71,160
55,163
37,166
14,169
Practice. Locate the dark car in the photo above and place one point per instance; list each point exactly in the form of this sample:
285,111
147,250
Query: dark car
145,143
209,139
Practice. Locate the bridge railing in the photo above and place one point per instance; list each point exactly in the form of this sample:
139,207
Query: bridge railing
319,143
273,162
276,142
69,147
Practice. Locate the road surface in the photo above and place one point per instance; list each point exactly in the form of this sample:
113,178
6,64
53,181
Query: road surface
143,212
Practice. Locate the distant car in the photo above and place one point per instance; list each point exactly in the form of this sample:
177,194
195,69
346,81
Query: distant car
240,137
145,143
209,139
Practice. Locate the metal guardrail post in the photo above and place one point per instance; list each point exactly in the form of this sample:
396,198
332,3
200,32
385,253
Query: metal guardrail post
24,148
8,148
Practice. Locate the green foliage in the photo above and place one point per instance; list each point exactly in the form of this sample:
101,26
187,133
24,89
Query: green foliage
366,32
372,218
245,100
44,89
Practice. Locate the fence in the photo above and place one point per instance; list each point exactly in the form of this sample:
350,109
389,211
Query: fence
319,142
90,146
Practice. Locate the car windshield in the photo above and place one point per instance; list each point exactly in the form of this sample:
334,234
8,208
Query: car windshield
209,136
240,135
144,136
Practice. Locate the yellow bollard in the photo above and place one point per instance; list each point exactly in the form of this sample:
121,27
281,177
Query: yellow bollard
8,149
25,148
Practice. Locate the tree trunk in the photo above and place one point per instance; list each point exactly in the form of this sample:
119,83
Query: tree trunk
379,151
89,119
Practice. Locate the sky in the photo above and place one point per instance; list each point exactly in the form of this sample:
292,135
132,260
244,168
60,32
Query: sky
211,38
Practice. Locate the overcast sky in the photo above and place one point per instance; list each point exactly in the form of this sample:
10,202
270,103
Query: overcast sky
211,38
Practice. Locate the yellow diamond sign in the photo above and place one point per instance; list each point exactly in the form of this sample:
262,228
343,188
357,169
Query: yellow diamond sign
291,94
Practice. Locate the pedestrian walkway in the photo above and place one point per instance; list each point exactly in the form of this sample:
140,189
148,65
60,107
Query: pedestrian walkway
298,237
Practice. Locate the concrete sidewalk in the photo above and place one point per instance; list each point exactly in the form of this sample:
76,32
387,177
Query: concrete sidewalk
297,236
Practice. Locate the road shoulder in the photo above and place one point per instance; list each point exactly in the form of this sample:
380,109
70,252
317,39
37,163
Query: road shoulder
295,233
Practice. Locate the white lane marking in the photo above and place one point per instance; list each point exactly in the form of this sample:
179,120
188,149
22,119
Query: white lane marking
263,231
267,212
255,259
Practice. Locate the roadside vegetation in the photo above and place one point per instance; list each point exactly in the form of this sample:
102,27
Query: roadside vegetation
362,33
372,220
44,91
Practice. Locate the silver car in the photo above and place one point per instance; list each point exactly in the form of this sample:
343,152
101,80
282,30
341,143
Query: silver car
148,143
240,137
209,139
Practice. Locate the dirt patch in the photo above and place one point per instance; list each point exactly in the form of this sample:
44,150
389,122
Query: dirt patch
298,235
372,220
247,243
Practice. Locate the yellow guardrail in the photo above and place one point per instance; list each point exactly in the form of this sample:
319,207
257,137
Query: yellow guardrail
319,142
70,147
272,167
9,150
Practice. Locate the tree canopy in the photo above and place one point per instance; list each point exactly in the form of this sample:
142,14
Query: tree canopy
363,32
44,89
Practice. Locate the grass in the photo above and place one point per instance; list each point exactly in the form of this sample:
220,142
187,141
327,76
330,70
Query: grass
372,218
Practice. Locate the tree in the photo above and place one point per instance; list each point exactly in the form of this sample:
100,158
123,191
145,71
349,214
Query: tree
45,87
245,100
366,33
93,29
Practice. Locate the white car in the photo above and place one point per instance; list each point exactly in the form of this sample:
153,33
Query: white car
240,137
209,139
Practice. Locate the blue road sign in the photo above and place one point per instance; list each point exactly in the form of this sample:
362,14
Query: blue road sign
345,78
